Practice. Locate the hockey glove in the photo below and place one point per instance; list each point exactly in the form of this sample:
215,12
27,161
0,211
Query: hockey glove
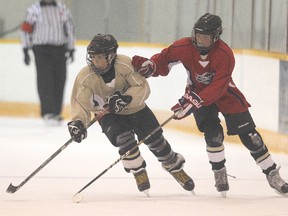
118,102
77,130
186,105
26,56
144,66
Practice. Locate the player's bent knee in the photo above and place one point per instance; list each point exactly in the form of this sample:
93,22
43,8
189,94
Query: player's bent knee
213,132
253,141
125,140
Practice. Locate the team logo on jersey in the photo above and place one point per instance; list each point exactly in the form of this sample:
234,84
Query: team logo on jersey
205,78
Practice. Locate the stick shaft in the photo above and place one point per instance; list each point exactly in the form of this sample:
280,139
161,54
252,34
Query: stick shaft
12,189
43,165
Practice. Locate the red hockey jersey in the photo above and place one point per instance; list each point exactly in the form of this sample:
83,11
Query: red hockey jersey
210,76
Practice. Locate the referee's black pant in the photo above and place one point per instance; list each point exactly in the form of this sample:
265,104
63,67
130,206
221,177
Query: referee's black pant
51,76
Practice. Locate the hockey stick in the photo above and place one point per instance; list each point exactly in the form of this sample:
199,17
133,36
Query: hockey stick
77,197
10,31
12,189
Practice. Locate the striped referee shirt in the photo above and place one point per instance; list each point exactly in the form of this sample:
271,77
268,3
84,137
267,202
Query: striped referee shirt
48,25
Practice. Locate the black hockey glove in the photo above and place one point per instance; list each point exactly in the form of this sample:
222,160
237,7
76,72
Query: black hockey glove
118,102
70,55
26,56
77,130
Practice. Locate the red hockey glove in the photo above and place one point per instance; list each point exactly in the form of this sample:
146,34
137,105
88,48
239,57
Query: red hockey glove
144,66
186,105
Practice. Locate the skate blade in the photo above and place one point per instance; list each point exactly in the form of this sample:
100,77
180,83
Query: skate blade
193,192
223,194
146,192
281,194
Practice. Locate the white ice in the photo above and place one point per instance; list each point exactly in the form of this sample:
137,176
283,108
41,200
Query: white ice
26,143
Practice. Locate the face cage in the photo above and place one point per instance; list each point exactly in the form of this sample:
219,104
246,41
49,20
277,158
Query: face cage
109,58
203,50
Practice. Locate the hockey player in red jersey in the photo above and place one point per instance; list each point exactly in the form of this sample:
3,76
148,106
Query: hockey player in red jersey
210,89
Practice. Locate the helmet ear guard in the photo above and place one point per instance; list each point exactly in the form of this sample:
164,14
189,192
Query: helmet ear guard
208,24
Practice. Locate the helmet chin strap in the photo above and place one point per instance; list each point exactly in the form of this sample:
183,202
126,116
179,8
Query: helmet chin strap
110,57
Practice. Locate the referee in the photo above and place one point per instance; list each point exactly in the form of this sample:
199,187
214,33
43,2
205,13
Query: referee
48,30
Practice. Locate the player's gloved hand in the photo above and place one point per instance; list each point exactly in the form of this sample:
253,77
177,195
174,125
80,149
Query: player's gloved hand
77,130
26,56
144,66
118,102
186,105
70,55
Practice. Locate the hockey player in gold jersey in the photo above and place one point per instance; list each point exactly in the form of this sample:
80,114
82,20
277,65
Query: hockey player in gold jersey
109,80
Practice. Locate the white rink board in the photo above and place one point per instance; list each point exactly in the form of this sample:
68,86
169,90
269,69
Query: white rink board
257,77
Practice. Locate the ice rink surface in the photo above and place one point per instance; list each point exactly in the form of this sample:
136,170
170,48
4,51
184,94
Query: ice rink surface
26,143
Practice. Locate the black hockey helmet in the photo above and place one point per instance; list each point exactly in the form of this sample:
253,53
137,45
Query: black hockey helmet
104,44
208,24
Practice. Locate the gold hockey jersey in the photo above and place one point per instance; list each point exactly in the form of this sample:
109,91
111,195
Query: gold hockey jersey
90,92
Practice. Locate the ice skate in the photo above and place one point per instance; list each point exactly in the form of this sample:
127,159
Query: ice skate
175,168
142,181
221,181
184,180
277,183
52,119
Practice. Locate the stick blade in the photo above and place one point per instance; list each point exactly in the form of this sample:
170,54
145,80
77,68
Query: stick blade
11,189
77,198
